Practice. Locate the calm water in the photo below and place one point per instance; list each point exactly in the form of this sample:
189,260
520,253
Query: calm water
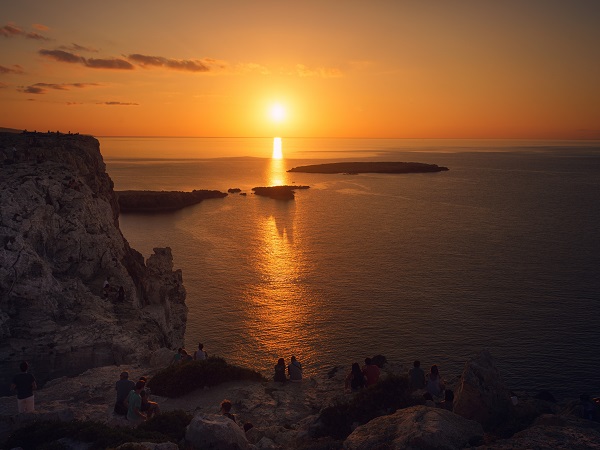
500,252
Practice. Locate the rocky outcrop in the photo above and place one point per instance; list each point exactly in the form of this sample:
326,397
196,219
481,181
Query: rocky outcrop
278,192
482,395
162,201
215,432
417,427
370,167
59,241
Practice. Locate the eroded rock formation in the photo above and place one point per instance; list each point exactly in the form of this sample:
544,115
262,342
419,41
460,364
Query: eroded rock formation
59,241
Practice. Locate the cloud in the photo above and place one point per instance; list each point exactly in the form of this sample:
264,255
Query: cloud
118,104
74,103
322,72
42,88
188,65
68,57
62,56
253,67
78,48
3,85
16,69
11,30
40,27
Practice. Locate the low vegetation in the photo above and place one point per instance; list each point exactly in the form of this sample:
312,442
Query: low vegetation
182,378
387,396
166,427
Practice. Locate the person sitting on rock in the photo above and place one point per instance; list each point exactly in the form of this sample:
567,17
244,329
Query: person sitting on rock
185,356
200,354
177,356
355,380
134,404
435,386
149,407
123,387
587,409
280,371
371,372
226,409
295,370
416,376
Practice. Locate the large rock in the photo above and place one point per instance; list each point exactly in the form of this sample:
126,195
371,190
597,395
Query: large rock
209,431
417,427
482,395
59,241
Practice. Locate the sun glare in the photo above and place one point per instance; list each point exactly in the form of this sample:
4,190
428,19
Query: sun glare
277,152
277,113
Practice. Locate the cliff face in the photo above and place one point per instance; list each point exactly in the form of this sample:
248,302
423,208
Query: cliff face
59,241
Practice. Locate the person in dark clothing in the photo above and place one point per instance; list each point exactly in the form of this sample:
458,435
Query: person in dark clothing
356,379
123,387
280,371
24,383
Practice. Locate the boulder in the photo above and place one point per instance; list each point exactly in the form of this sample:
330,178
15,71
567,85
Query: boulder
148,446
161,358
481,394
417,427
210,431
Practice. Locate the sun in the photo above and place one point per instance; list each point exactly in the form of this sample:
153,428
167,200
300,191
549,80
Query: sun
277,112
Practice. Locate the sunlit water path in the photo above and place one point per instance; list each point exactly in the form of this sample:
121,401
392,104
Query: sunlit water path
500,252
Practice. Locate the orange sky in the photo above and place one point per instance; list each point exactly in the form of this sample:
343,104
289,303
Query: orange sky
394,69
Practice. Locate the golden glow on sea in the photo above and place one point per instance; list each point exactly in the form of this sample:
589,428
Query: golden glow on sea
277,175
277,149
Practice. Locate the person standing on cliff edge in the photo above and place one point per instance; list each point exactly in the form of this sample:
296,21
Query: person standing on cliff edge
25,384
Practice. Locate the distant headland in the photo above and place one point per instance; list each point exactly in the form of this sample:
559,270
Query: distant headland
370,167
162,201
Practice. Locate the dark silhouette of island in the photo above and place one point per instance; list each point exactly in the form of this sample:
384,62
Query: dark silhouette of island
369,167
278,192
162,201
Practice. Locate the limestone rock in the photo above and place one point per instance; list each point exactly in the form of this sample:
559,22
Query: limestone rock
148,446
209,431
417,427
59,241
482,395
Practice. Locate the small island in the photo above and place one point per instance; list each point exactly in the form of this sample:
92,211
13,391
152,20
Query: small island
162,201
370,167
278,192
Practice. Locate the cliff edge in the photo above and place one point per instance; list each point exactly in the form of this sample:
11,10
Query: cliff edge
59,241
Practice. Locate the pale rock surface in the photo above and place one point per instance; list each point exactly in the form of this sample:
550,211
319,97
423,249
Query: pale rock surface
59,241
417,427
482,395
210,431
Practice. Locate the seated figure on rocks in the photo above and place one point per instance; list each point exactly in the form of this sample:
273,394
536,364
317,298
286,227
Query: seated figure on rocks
355,380
148,407
226,409
416,376
448,402
295,370
134,405
280,371
587,409
435,386
371,372
200,354
123,387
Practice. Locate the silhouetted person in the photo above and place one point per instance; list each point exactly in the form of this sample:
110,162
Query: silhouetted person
371,372
123,387
434,384
416,376
448,402
24,383
295,370
200,354
280,371
226,409
356,379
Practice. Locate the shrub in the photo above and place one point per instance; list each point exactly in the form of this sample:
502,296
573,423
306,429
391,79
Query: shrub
385,397
182,378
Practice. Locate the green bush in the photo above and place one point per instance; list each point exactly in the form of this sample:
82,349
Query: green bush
166,427
385,397
185,377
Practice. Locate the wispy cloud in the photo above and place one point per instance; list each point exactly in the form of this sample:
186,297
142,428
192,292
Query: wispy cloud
189,65
78,48
16,69
3,85
322,72
118,104
94,63
40,27
11,30
42,88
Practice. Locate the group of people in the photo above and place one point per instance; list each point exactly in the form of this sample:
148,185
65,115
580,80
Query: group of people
359,378
294,370
182,355
133,400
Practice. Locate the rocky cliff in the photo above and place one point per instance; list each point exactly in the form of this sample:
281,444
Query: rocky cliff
59,241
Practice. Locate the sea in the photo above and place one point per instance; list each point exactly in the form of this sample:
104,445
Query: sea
501,252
